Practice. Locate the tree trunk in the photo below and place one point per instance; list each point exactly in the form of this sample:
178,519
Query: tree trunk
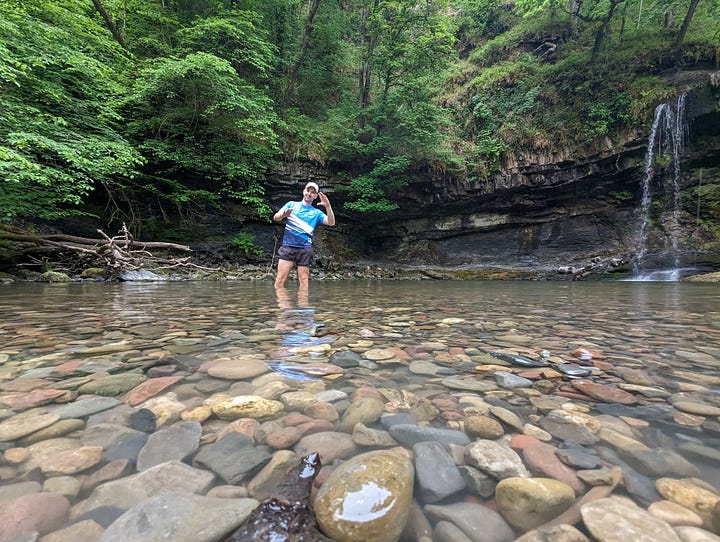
686,23
305,43
110,23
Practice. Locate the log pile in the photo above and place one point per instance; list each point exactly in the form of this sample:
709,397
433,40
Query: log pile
72,254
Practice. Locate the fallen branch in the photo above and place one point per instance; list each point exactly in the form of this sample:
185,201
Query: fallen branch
115,254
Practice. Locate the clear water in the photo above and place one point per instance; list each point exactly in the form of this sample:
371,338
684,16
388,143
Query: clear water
659,327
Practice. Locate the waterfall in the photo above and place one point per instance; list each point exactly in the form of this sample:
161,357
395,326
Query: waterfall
660,202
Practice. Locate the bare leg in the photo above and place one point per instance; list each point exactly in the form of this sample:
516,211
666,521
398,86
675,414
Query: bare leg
303,272
283,270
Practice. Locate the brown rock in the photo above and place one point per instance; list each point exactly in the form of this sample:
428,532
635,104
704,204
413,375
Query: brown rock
149,388
601,392
541,458
42,512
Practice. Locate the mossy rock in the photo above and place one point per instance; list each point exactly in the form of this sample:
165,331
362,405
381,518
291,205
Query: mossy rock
5,278
55,276
94,272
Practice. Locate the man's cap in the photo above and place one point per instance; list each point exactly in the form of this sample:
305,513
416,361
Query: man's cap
313,185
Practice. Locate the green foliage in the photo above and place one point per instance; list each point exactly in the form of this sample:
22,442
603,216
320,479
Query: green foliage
58,122
196,117
246,242
369,191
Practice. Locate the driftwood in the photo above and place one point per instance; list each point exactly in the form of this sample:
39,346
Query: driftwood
73,254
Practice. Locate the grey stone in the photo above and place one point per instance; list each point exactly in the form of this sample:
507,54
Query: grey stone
233,458
437,475
180,517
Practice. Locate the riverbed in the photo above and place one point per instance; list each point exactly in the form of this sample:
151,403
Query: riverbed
635,359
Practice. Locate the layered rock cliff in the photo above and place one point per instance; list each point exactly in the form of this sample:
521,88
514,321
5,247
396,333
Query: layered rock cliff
548,210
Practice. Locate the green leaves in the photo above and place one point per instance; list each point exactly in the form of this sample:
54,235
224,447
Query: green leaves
57,123
196,117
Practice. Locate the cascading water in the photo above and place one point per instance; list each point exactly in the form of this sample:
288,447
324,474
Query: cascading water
660,203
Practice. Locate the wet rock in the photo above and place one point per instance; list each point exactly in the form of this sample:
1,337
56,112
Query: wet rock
246,406
410,435
39,512
690,495
558,533
233,458
330,445
72,461
181,517
24,424
483,427
367,497
178,441
495,459
527,503
150,388
542,458
615,519
674,514
126,492
436,473
238,368
365,411
477,522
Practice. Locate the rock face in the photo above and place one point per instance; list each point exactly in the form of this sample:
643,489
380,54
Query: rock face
541,209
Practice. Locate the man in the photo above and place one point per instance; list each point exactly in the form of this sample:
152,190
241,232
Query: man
296,249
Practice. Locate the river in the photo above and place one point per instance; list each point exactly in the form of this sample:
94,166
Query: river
657,341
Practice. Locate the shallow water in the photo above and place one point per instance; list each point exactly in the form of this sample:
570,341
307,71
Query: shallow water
669,329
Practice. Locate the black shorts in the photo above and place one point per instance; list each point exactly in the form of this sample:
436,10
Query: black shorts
301,256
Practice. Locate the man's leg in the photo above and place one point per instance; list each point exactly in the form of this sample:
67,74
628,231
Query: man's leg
283,270
303,272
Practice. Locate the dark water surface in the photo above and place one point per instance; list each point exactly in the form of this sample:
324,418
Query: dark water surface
671,331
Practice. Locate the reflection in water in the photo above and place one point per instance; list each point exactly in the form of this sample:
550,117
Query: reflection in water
297,320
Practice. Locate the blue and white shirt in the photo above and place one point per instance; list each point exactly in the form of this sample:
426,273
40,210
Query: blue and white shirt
301,224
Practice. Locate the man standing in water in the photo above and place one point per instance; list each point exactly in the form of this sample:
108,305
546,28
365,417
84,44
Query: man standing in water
296,247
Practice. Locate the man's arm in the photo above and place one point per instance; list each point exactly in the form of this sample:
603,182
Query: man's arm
329,219
282,214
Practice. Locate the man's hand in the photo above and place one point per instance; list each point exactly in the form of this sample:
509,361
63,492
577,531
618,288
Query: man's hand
277,217
324,201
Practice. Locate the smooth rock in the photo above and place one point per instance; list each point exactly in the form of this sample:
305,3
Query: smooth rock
527,503
180,517
178,441
40,512
495,459
436,473
691,496
479,523
616,519
367,498
163,478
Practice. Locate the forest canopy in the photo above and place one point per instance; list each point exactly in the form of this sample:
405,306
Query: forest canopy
181,105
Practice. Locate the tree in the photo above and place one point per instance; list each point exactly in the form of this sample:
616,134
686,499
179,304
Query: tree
196,119
686,22
59,126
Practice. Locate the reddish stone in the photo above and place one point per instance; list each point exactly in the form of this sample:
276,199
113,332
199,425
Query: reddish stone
456,350
283,438
295,418
366,392
519,442
42,512
578,396
601,392
149,388
68,367
315,426
541,458
603,365
26,384
23,400
585,353
400,353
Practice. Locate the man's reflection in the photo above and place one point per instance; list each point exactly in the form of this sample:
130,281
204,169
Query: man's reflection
296,318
